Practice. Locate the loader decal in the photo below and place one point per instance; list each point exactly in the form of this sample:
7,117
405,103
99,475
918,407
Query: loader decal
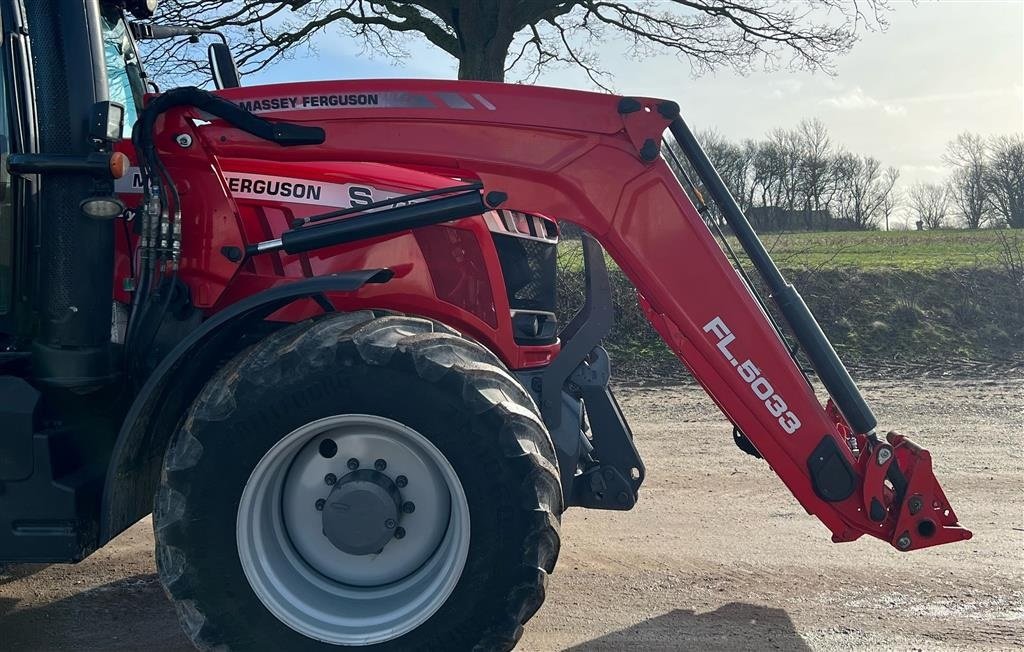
749,372
363,101
130,183
243,185
291,102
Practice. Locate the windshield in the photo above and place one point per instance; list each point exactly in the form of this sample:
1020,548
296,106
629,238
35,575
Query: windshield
124,75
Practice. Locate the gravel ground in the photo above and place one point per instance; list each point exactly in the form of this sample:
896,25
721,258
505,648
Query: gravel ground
717,555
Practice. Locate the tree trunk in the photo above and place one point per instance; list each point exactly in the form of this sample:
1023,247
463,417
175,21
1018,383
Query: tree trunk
482,66
485,35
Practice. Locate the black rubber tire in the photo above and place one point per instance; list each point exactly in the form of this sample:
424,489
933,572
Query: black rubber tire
415,371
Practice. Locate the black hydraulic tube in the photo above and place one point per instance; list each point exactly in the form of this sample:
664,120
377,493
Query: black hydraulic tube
823,357
377,223
96,164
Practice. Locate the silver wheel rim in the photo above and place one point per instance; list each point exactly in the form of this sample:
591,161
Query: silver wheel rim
323,592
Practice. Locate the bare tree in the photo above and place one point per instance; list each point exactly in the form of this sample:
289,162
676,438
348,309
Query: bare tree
796,179
789,148
864,189
967,185
733,162
893,197
490,38
930,204
768,180
815,167
1004,179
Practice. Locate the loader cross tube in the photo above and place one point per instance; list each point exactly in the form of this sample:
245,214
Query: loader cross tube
824,359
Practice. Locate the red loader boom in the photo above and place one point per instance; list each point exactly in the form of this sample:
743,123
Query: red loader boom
596,160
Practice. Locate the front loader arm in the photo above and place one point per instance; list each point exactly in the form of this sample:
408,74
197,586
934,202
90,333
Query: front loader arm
595,160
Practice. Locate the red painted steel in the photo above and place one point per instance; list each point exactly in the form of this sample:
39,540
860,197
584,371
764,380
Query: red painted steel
561,153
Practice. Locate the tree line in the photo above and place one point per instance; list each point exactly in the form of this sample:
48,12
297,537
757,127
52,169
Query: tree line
799,179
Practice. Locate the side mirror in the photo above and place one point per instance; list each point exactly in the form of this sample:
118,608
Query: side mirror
223,68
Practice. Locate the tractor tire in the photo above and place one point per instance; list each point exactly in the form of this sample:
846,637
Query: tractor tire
256,546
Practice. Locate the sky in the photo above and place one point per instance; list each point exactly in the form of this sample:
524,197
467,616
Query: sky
941,68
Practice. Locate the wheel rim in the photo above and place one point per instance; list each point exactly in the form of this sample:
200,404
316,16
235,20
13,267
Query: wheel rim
321,591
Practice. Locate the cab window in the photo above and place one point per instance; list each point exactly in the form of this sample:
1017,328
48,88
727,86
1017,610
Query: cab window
124,72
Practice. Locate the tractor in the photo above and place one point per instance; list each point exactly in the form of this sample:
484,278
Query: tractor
311,328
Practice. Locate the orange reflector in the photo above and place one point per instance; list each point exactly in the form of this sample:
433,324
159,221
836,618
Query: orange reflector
118,165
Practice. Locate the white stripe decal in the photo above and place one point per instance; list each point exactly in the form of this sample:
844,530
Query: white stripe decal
302,191
130,183
483,100
244,185
455,101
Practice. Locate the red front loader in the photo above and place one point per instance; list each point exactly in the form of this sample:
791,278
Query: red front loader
329,362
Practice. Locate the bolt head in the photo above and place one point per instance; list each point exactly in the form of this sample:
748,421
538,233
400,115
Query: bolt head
390,523
399,532
401,481
320,502
353,463
408,507
380,465
903,542
884,453
183,140
330,479
916,504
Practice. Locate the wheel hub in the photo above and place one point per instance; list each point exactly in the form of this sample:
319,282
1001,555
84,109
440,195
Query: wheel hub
361,512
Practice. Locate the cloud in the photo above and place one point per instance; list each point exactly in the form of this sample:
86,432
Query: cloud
966,96
784,87
924,169
857,100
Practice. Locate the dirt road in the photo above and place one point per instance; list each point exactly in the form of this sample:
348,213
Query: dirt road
716,556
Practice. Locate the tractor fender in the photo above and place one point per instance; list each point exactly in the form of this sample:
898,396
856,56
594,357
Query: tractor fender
133,473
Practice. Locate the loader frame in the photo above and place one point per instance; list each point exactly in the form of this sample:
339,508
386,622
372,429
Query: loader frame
596,160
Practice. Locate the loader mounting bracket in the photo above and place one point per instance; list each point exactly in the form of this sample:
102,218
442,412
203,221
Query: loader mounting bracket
582,334
582,369
615,482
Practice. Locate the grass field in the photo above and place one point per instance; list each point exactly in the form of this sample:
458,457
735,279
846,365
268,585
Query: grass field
893,302
920,251
879,250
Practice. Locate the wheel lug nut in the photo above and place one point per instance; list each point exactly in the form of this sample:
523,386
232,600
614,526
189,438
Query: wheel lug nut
380,465
353,463
320,502
408,507
330,479
399,532
390,523
401,481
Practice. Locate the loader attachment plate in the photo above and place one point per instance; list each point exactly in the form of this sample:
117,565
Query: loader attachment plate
923,516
